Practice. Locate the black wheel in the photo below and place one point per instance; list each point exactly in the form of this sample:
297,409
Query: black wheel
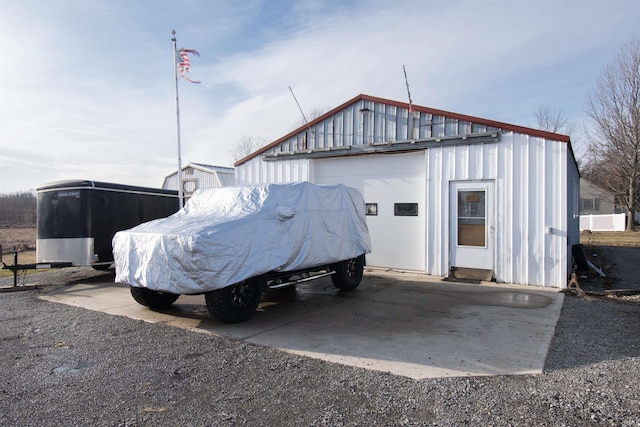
235,303
348,273
153,299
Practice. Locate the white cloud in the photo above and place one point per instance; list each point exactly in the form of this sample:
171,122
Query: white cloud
88,92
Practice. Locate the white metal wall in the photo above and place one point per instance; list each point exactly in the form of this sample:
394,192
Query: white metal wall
257,171
530,176
536,183
202,179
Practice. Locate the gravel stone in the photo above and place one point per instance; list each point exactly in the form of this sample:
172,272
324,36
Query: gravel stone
64,365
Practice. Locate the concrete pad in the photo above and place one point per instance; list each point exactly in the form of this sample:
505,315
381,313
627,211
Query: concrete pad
406,324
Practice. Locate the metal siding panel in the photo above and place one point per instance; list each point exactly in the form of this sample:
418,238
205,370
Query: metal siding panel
357,123
401,124
347,121
536,190
556,230
437,227
326,133
378,122
438,126
339,129
504,211
460,161
519,220
390,120
476,161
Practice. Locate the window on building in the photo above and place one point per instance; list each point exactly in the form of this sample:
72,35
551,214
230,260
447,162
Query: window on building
405,209
590,205
189,186
372,209
188,171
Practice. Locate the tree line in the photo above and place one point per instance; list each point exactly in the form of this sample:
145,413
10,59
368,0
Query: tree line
18,209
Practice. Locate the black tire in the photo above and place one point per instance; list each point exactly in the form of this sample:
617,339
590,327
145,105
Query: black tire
348,274
235,303
153,299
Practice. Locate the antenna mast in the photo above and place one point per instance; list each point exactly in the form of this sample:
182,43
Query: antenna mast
306,122
406,81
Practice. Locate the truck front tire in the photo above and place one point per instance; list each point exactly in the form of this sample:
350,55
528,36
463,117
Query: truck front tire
235,303
153,299
348,274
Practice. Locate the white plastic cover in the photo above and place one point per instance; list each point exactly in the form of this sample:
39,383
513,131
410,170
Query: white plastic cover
225,235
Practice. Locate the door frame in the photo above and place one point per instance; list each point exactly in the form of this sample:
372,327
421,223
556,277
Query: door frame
475,257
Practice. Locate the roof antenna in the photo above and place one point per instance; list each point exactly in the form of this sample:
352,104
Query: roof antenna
306,122
408,91
406,80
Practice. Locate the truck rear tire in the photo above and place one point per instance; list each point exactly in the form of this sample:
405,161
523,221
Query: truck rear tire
235,303
153,299
348,273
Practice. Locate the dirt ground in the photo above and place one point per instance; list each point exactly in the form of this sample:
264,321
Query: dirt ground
23,238
611,238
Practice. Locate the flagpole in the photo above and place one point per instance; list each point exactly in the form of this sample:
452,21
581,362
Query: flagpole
175,69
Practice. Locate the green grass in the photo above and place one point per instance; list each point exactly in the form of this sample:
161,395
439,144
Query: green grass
26,257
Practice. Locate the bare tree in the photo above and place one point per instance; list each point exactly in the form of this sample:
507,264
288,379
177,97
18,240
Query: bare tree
247,145
18,209
314,114
552,119
614,108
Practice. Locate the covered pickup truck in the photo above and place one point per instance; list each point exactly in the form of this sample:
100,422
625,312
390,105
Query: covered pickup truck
232,243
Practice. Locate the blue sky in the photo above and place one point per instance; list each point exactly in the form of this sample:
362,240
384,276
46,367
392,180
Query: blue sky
87,87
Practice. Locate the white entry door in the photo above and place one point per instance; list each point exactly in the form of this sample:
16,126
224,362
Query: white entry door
471,225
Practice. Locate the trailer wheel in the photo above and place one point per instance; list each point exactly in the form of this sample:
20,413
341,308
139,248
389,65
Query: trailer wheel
348,273
235,303
153,299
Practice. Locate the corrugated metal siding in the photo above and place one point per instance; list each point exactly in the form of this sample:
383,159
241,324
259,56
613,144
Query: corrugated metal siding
201,178
443,165
530,205
256,171
369,122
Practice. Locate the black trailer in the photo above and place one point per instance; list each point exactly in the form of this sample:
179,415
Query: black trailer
76,220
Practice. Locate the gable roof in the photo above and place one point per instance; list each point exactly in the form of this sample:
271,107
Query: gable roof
225,175
415,108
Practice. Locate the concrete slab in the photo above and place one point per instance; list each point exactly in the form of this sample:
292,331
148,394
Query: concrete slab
406,324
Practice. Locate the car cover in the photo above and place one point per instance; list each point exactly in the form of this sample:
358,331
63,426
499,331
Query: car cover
225,235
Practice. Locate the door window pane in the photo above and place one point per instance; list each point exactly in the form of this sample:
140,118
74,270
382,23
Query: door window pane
472,214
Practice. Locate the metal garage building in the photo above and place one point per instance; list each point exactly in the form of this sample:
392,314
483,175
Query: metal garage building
444,191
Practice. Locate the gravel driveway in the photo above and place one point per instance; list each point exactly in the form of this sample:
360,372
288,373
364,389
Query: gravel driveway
63,365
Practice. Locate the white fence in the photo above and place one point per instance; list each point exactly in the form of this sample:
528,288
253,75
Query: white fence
615,222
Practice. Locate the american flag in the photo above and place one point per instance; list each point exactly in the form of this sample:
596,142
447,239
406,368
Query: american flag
184,66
